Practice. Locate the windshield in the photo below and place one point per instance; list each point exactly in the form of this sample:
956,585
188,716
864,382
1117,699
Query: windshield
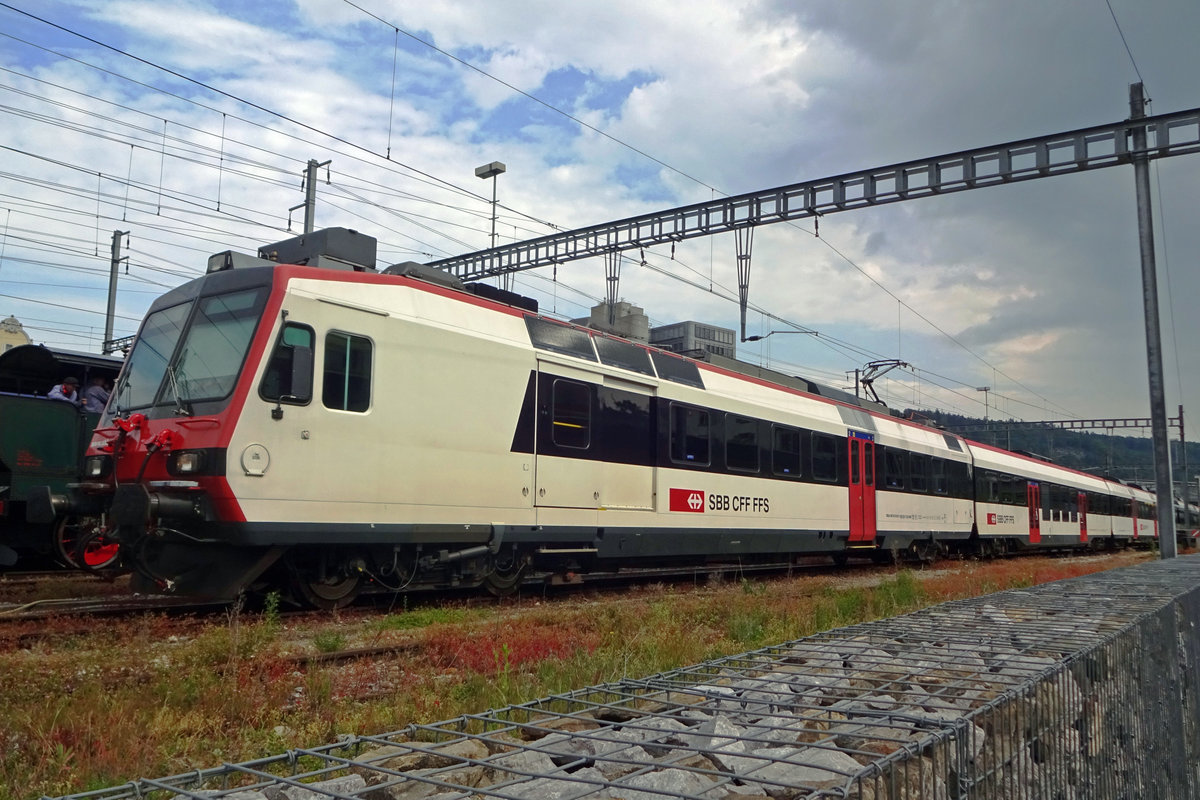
208,355
147,362
212,352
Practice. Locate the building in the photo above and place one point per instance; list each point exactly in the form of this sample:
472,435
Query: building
12,334
629,321
693,338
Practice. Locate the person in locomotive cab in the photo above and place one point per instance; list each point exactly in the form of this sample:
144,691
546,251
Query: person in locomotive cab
67,390
95,396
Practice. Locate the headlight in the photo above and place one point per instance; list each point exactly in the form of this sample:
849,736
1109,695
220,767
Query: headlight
95,467
186,462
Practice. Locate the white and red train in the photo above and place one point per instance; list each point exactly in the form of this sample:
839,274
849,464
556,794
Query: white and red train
330,426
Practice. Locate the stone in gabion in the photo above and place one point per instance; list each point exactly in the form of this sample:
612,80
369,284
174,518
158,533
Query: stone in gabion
787,768
347,785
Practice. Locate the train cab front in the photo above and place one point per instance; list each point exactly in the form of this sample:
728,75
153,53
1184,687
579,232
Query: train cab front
155,471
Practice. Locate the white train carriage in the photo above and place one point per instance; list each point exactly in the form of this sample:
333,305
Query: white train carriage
1143,514
331,427
1022,501
925,495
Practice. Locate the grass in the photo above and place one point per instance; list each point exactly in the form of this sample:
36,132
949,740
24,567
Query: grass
154,696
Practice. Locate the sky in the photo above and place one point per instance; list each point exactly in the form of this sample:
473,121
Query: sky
189,124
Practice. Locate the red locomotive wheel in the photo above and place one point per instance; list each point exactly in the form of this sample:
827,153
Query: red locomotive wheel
79,543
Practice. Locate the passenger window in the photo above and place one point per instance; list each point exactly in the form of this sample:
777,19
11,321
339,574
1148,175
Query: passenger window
940,485
824,457
893,461
287,378
689,435
785,456
919,466
347,378
571,415
741,443
992,485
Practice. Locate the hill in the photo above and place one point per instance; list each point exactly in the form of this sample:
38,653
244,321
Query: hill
1129,458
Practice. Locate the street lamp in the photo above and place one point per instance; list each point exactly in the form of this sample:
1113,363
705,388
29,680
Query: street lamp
772,333
491,171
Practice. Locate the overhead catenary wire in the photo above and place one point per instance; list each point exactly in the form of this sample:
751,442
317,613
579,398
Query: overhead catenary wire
197,82
357,151
1124,41
473,195
151,144
553,108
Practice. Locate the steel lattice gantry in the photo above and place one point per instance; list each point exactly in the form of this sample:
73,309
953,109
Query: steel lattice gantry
1073,424
1041,157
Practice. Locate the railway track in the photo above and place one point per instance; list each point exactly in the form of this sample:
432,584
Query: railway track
99,606
18,609
29,577
15,587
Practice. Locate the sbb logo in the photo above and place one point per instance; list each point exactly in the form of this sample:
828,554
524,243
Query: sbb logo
991,519
689,500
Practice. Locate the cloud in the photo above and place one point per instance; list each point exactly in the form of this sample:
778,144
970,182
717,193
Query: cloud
1038,282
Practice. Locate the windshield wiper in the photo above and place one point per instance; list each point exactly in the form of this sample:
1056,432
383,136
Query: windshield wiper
118,392
181,408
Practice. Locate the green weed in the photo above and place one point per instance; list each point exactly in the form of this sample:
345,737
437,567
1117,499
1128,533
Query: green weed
421,618
329,641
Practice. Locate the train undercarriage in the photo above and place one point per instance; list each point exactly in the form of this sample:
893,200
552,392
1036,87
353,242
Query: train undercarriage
332,576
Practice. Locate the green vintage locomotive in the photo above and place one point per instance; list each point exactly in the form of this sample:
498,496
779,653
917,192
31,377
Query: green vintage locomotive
41,443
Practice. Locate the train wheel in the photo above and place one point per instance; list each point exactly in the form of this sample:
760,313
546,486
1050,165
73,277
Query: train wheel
80,543
329,593
925,552
506,578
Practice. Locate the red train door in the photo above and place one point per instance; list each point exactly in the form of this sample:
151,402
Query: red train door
862,487
1034,498
1083,517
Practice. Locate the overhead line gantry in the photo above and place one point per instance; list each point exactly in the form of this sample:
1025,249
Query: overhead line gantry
1027,159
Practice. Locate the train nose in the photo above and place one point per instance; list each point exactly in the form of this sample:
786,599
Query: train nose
134,505
130,505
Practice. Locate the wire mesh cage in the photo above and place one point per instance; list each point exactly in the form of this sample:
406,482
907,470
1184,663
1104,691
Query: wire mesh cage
1085,688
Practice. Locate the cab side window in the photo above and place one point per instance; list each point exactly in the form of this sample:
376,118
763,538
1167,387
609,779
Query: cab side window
347,373
288,378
